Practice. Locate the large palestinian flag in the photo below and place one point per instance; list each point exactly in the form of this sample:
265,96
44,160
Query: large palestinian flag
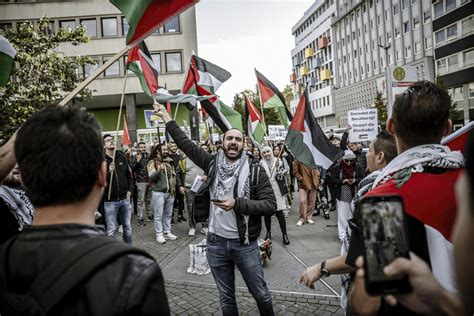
7,57
458,139
272,98
307,140
255,125
140,62
145,16
224,116
189,100
205,74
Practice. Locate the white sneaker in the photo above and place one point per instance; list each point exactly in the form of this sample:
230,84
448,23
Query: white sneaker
309,221
299,223
192,232
170,236
160,239
286,213
204,230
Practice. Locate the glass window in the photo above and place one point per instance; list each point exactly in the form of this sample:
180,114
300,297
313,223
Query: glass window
173,62
450,5
440,37
406,27
407,51
452,31
438,9
395,9
426,16
156,57
125,26
468,25
113,70
49,29
4,27
109,27
471,90
397,32
457,95
405,4
468,57
453,63
67,23
417,47
173,25
89,69
398,55
416,22
91,27
441,67
428,43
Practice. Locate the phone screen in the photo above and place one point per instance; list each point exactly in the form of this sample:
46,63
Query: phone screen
385,239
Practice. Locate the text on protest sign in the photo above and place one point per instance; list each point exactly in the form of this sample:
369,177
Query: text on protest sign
364,125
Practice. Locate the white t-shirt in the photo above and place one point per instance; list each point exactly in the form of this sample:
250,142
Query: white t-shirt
223,223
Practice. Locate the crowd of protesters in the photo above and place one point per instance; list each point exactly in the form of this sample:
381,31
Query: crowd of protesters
227,188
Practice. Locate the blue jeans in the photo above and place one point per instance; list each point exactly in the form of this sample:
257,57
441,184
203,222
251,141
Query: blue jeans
162,204
123,209
223,255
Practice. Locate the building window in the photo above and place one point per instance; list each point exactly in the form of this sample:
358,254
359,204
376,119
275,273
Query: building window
428,43
397,32
407,51
452,31
438,9
441,68
416,22
468,57
450,5
113,70
471,90
405,4
378,19
125,26
427,16
4,27
91,27
386,15
173,25
406,27
468,25
173,62
109,27
398,55
457,94
156,57
88,69
396,9
67,23
49,30
453,63
440,37
417,48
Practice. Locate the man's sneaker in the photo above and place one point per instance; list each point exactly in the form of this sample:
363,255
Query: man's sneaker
309,221
182,219
204,230
170,236
192,232
161,239
299,223
141,223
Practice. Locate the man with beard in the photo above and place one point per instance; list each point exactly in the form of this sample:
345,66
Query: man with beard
139,163
241,194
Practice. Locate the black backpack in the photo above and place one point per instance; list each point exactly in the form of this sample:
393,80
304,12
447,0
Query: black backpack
55,282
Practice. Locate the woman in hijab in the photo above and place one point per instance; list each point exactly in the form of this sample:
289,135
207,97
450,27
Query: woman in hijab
276,170
256,153
345,177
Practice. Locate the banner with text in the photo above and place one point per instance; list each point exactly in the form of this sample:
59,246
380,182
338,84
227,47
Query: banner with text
364,125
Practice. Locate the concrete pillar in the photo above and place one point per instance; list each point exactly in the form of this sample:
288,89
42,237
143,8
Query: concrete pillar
131,108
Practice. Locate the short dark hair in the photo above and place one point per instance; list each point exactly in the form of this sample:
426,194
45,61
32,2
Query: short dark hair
420,114
59,151
141,143
106,135
385,142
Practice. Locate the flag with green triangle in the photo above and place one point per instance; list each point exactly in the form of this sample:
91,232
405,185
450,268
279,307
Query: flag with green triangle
7,60
204,74
255,124
140,62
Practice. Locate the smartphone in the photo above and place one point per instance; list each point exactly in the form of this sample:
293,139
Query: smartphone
385,239
216,200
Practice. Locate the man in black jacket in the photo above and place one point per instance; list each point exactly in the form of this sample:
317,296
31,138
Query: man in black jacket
241,193
139,163
117,204
65,200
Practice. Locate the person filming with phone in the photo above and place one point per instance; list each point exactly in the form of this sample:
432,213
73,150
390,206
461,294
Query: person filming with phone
235,196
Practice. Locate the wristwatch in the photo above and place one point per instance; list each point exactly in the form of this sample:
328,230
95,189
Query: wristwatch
324,271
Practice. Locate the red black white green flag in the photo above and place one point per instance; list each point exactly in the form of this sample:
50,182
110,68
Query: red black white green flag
126,137
145,16
140,62
255,124
271,97
307,140
204,74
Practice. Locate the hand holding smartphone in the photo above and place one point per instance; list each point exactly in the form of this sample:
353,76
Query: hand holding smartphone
385,239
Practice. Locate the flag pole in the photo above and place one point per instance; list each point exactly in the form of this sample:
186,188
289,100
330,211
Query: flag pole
116,132
261,106
91,78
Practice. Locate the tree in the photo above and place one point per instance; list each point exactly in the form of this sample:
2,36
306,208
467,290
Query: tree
454,114
381,106
288,94
42,75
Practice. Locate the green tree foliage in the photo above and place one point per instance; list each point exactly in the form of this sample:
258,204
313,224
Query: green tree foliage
454,114
381,106
271,115
288,94
42,75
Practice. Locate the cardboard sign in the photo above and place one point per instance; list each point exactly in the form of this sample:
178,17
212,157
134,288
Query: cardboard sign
151,120
364,125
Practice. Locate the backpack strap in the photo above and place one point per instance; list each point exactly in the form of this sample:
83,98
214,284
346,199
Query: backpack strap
75,267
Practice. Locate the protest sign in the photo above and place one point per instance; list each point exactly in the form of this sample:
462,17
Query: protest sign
364,125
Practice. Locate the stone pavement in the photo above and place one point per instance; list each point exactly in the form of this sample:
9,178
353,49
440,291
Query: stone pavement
190,294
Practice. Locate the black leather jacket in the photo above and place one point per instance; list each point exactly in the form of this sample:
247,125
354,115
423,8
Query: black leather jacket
130,285
140,168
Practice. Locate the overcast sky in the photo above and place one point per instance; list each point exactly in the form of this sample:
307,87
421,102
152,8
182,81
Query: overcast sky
240,35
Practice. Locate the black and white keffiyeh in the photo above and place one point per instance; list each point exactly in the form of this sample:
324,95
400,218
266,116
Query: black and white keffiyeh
226,172
19,205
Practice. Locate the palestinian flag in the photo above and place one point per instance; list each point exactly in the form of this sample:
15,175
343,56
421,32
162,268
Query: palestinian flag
271,97
139,61
307,140
224,116
145,16
189,100
126,137
205,74
458,139
7,58
255,125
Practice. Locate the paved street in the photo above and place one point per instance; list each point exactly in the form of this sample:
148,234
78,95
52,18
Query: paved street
191,294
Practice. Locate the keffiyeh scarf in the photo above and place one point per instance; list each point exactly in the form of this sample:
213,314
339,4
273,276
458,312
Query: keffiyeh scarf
19,205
